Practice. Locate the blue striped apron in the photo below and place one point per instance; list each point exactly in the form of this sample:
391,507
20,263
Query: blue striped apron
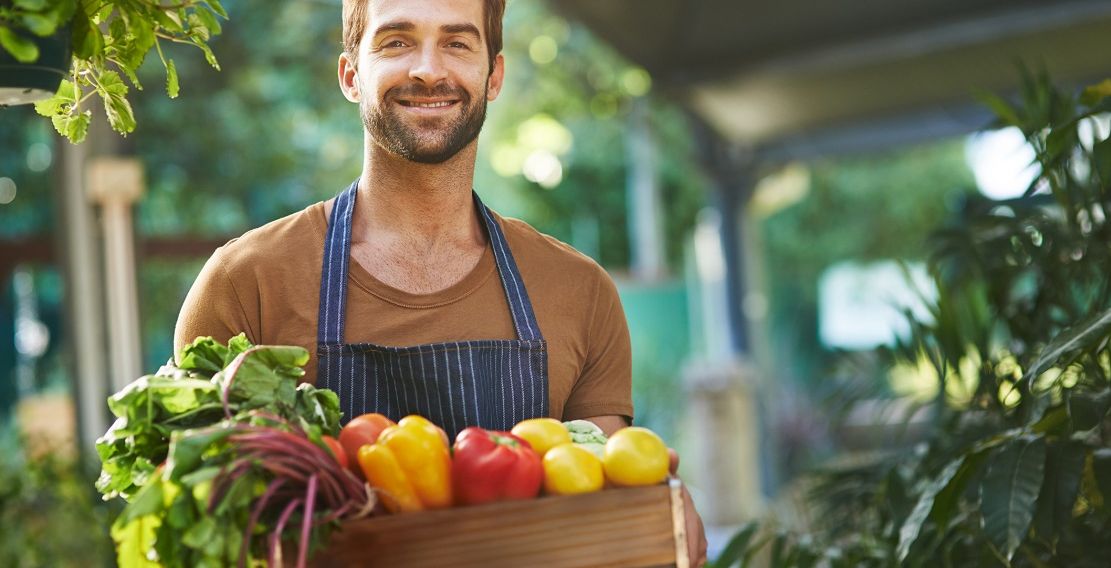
490,383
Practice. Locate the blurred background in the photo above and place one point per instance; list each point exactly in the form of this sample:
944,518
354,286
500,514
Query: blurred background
761,180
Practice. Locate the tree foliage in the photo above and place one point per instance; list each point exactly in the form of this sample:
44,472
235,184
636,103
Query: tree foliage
109,39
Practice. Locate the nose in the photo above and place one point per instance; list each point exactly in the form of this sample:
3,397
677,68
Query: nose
429,66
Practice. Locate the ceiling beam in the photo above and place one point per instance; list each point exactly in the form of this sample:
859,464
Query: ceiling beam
895,45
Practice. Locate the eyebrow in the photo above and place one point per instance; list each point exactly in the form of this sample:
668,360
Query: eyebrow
394,27
469,29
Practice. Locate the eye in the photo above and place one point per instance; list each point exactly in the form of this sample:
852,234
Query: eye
458,45
396,43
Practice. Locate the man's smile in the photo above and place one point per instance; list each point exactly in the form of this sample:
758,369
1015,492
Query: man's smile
427,104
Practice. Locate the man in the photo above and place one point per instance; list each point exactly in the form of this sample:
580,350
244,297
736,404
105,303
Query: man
412,296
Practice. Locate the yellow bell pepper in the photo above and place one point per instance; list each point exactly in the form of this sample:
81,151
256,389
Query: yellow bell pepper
411,465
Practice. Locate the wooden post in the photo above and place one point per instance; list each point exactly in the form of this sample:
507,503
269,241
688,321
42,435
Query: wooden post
117,183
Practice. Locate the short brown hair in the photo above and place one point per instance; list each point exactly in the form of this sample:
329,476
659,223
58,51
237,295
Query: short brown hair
354,26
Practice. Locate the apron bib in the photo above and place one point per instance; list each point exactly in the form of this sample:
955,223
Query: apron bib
490,383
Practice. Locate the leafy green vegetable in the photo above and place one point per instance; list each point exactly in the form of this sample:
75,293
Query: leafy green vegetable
191,395
199,450
585,432
588,436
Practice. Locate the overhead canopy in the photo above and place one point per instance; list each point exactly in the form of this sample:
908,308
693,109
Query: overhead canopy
803,77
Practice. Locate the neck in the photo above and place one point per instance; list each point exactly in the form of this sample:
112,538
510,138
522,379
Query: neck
423,206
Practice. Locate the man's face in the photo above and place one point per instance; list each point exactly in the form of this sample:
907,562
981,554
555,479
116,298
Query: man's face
423,77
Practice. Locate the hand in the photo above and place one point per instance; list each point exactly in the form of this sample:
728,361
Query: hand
696,534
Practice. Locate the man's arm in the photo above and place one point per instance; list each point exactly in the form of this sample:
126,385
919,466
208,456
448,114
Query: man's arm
212,307
604,385
609,424
696,533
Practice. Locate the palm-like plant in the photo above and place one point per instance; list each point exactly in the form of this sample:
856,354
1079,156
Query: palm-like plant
1018,468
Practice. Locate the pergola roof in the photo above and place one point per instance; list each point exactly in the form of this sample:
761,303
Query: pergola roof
803,77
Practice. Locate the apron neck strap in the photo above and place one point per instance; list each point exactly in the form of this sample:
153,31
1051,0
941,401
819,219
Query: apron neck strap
333,272
520,307
337,258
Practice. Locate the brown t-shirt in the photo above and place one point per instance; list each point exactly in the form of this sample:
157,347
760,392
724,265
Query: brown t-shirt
267,284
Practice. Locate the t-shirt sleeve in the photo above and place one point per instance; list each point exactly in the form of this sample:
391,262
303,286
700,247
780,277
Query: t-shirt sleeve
605,385
213,307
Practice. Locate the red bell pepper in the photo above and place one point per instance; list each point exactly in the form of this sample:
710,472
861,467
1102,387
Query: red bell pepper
494,466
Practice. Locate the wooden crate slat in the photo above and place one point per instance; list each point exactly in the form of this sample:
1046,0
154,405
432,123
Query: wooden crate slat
615,527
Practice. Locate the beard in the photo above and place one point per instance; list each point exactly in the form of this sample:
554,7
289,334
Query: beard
432,144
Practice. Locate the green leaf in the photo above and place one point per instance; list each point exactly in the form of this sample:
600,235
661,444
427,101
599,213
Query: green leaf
218,8
236,345
114,92
1002,109
1052,422
947,503
73,126
208,55
320,404
1061,141
56,104
1088,409
265,375
1101,160
779,545
1101,469
1064,469
1078,337
32,5
87,39
131,76
187,449
208,20
172,87
134,541
734,551
1009,492
204,354
148,501
1093,94
21,48
201,533
105,12
141,42
912,527
40,24
117,30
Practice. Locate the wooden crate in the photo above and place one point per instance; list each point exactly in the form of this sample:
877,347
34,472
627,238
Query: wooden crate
641,526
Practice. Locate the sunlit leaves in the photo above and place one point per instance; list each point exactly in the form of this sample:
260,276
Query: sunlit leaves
172,87
112,89
111,39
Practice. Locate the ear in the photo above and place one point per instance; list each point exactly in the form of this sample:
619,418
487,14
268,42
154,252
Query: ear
497,76
348,78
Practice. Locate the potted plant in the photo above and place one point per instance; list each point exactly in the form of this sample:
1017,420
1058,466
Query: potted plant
76,49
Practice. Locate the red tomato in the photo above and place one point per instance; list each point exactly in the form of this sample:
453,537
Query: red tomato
361,431
337,450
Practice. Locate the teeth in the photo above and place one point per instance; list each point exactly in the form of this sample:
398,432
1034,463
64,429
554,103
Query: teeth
431,105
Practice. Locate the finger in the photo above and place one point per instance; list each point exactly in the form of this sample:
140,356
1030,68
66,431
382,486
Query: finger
673,461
